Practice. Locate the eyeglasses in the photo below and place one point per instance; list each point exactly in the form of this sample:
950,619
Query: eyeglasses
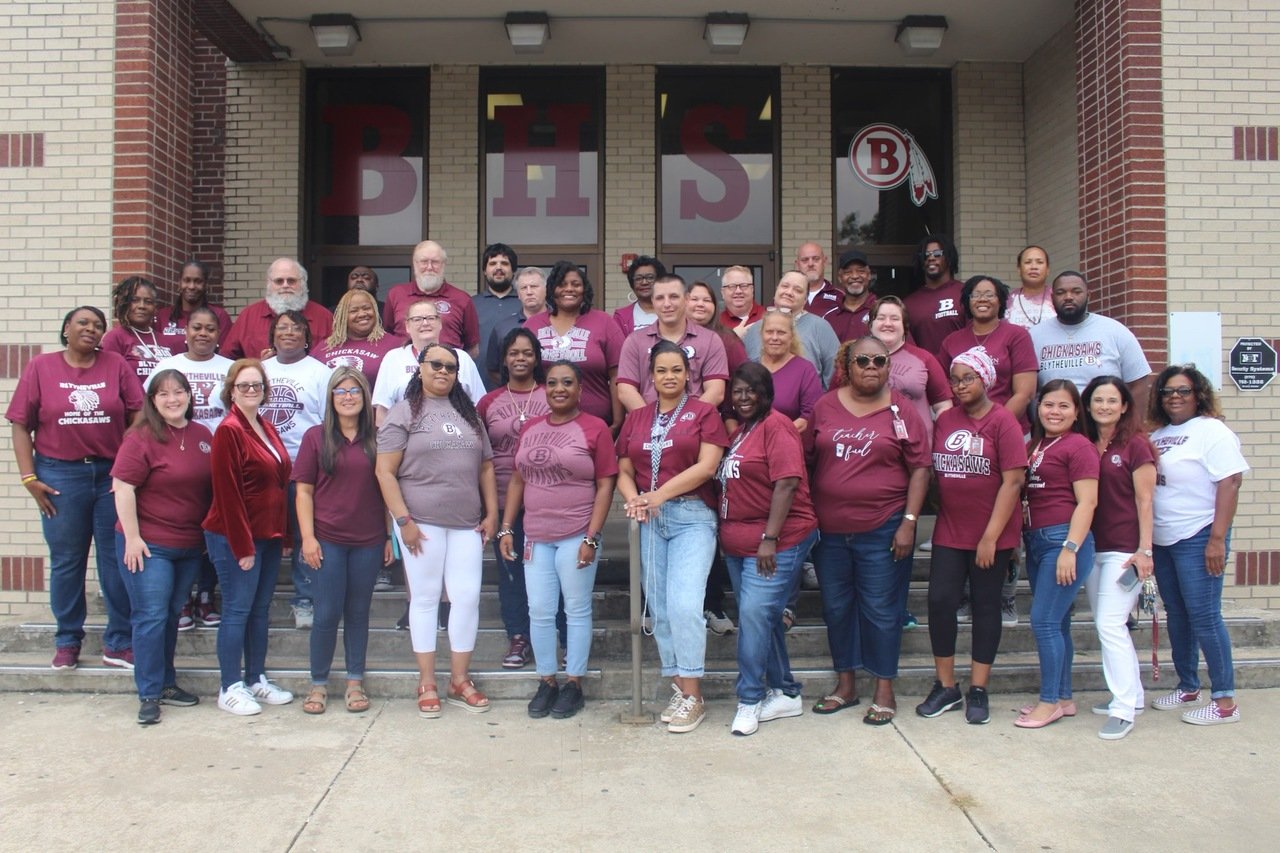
1180,391
962,381
430,263
983,297
644,278
933,253
418,321
248,387
740,286
865,361
437,366
348,392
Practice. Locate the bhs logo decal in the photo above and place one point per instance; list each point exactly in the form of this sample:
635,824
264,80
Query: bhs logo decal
884,156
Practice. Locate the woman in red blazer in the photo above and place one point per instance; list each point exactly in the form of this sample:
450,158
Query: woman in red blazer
245,531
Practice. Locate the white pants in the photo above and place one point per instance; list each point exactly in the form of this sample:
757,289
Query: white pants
451,558
1111,608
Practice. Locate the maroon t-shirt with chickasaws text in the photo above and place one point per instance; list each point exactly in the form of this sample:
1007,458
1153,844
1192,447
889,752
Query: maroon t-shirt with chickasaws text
364,356
934,314
143,350
560,464
594,343
770,452
860,466
76,411
698,423
348,503
970,474
1115,522
500,410
173,483
1051,497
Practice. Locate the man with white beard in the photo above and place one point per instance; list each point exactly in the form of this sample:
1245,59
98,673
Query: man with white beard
286,291
459,323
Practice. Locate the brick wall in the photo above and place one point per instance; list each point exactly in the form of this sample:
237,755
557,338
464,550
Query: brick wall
630,184
990,167
208,140
807,206
453,169
1053,188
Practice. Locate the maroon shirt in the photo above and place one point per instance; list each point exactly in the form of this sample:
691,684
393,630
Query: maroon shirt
731,321
851,325
707,358
172,481
364,356
500,410
698,423
459,323
348,503
916,375
1115,522
76,412
1008,346
934,314
143,350
1050,494
594,343
827,297
250,484
251,333
772,451
560,464
970,474
861,468
171,321
796,388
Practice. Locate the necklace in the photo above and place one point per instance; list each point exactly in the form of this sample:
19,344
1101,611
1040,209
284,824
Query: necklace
1022,305
182,434
981,341
520,411
153,349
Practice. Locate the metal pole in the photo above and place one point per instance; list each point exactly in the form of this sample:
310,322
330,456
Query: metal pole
636,715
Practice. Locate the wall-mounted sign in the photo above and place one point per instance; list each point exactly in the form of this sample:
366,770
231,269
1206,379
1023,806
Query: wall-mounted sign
1252,364
884,156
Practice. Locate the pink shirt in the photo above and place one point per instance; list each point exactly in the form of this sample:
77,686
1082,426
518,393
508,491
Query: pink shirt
143,350
916,375
770,452
796,388
861,467
76,412
560,464
1009,346
348,503
502,410
699,423
1054,467
1115,522
707,359
364,356
173,483
934,314
459,322
594,343
969,461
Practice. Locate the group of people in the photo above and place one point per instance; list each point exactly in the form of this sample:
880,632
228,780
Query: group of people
193,450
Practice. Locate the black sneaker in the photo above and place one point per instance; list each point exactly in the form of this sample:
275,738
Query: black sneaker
941,700
175,695
540,704
402,624
975,707
149,712
442,615
569,702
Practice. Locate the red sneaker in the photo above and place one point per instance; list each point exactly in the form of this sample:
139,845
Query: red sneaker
185,621
66,657
122,658
206,613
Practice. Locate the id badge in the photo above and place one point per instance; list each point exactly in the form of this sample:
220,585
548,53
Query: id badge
900,429
528,551
975,445
1026,515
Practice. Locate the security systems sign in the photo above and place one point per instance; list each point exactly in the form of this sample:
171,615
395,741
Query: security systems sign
884,156
1252,364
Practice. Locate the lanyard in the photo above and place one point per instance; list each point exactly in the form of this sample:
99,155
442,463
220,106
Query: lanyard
722,473
658,438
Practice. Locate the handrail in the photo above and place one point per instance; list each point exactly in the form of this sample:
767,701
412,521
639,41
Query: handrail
637,714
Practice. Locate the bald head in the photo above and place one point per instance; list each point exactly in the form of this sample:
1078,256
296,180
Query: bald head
811,261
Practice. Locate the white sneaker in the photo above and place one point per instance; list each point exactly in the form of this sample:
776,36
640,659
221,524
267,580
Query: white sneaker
270,693
926,546
747,720
1009,613
809,577
778,705
237,700
964,614
303,615
688,716
718,623
676,698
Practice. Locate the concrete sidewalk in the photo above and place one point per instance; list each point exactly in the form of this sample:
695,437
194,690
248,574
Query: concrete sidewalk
79,773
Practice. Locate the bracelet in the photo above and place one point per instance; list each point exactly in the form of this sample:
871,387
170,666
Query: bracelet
593,541
765,537
506,531
29,478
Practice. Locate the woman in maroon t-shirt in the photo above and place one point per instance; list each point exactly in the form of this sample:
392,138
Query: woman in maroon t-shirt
163,486
343,525
1057,507
358,339
668,451
69,414
767,527
137,336
1122,533
870,472
979,462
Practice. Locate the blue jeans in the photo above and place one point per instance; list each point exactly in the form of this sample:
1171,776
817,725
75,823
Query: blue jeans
1193,612
343,590
513,598
864,593
85,512
246,600
676,550
554,571
156,595
1051,605
299,570
762,640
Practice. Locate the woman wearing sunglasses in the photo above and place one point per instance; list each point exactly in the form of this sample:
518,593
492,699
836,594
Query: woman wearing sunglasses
870,455
1201,468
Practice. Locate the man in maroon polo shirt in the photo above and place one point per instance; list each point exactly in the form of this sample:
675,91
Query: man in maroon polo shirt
934,309
286,291
822,295
738,288
852,317
460,325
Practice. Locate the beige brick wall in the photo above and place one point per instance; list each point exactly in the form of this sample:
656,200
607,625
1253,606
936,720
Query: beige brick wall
1053,198
55,220
807,206
990,167
453,169
1219,72
263,175
630,174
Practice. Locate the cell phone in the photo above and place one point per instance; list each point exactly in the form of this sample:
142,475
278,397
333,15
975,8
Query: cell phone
1128,579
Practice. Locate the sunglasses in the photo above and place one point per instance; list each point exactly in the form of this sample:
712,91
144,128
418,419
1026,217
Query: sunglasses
865,361
437,366
933,253
1183,391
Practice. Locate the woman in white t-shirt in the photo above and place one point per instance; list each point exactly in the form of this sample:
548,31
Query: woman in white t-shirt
1200,470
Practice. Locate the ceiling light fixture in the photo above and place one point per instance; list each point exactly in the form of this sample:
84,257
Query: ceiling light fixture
921,35
528,31
726,31
336,35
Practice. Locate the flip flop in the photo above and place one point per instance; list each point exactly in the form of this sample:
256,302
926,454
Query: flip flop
873,715
833,703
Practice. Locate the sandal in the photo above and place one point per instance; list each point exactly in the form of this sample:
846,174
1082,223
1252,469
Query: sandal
428,701
357,699
833,703
468,697
878,715
316,701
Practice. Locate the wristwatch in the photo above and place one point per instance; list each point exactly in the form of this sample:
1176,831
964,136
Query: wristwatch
1071,546
593,541
403,521
912,517
1146,552
765,537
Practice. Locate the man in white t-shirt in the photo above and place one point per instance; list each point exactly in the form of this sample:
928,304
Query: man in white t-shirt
422,322
1079,345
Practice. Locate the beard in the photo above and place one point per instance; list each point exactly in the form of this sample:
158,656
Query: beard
498,286
813,277
281,302
1072,315
429,282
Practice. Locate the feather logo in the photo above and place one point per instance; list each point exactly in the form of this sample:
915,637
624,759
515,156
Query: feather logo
884,156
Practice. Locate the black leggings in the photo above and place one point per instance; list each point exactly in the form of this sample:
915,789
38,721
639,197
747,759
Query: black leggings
948,570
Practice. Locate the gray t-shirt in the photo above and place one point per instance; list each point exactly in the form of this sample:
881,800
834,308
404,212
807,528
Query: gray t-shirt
1097,346
817,340
440,470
